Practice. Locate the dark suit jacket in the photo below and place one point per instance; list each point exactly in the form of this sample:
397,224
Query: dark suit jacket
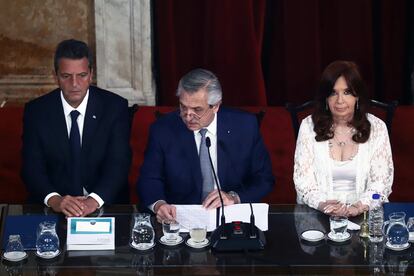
171,169
105,156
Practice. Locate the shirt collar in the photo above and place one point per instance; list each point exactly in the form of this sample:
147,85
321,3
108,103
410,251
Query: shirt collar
211,128
67,108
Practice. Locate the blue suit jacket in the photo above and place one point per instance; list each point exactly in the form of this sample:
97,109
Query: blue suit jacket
105,155
171,169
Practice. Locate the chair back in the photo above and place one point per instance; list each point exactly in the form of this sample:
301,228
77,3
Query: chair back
298,112
132,110
388,108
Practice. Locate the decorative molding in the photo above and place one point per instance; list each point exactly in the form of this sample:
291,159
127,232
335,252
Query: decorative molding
123,49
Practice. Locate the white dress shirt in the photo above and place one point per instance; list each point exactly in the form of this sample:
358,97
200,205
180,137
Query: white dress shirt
67,109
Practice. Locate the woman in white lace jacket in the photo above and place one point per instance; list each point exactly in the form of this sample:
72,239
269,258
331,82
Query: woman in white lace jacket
343,154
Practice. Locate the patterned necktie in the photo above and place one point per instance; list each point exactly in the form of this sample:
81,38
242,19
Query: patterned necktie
206,171
75,155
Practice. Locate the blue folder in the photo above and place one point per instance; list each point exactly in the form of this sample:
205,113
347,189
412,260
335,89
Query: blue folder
406,207
26,227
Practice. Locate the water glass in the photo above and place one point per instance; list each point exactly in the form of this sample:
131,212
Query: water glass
198,233
14,249
47,242
171,230
396,231
410,226
142,234
339,226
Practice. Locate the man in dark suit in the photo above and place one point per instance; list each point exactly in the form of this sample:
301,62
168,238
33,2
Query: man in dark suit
76,153
175,170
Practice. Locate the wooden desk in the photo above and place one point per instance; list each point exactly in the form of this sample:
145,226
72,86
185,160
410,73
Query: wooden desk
285,252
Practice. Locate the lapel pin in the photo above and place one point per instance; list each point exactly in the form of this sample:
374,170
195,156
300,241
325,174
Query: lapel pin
93,116
228,131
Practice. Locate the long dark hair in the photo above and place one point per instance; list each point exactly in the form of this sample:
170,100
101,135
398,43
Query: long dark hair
322,116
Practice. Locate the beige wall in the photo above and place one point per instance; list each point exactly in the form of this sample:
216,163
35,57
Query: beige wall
29,33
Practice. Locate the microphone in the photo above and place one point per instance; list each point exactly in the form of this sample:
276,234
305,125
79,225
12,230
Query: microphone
208,144
237,235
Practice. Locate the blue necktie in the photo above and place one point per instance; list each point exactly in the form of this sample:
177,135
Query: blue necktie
206,171
75,155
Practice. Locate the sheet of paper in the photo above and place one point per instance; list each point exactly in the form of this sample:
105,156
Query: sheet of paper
187,214
353,226
190,214
241,212
93,226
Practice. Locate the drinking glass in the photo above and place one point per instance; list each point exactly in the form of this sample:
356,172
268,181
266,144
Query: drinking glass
396,231
142,234
338,225
198,233
171,230
14,249
47,242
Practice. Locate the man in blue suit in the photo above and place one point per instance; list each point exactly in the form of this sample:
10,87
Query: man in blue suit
76,153
174,169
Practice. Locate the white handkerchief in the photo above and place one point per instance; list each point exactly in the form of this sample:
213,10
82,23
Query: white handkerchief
353,225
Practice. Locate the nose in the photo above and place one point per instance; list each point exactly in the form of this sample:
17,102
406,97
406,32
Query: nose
340,98
188,116
74,81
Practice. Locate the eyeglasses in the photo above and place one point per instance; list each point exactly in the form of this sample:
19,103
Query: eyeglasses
195,114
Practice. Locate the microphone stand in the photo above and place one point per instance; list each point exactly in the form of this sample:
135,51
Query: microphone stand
208,144
237,235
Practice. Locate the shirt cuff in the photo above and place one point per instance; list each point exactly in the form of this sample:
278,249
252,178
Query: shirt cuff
151,207
48,197
98,199
235,197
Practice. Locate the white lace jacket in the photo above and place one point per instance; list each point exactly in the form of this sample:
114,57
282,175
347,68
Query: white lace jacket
313,172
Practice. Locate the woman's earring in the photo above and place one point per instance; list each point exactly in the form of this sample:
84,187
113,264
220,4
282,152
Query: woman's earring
326,106
357,105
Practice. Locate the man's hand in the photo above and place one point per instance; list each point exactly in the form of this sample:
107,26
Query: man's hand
212,201
165,211
90,206
68,205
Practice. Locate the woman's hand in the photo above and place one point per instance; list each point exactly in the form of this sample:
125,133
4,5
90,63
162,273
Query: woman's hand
333,208
336,208
356,209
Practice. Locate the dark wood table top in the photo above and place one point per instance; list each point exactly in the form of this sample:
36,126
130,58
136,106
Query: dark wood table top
285,252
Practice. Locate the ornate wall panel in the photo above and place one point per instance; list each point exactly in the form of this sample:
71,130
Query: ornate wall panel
29,33
123,49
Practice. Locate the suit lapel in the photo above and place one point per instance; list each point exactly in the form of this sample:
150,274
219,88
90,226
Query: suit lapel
191,154
58,125
93,117
223,140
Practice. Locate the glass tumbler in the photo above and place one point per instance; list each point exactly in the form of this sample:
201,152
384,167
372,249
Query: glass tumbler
47,242
14,249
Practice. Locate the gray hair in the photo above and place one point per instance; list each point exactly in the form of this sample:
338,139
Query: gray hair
198,79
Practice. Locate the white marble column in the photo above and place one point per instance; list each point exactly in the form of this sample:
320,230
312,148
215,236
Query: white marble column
123,49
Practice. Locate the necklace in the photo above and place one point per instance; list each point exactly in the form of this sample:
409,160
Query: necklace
345,135
339,143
